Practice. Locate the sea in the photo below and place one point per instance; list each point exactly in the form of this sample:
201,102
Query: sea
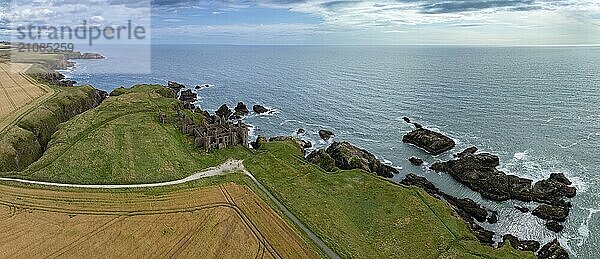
537,108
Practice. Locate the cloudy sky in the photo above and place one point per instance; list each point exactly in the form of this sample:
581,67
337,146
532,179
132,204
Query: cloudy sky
488,22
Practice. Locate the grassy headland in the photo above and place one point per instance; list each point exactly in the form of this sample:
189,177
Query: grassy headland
357,214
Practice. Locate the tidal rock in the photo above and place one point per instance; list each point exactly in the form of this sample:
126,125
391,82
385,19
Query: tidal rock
522,245
241,109
188,96
258,142
347,157
175,86
470,150
300,131
259,109
422,182
415,161
553,250
198,87
553,189
554,226
224,112
433,142
551,212
479,173
406,119
469,206
493,218
521,208
325,134
417,125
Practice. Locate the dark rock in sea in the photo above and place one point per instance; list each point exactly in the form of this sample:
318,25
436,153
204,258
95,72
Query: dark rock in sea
347,157
554,226
258,142
478,172
522,245
433,142
224,112
188,96
417,125
415,161
300,131
241,109
325,134
469,206
207,85
553,250
302,143
198,87
551,212
553,189
461,206
493,218
322,159
406,119
470,150
521,208
175,86
422,182
259,109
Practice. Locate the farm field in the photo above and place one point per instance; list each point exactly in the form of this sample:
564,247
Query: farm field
18,93
224,221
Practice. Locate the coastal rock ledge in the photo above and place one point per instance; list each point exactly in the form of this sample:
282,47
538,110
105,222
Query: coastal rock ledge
479,173
344,155
433,142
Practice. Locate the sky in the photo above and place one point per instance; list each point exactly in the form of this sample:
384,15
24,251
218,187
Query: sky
336,22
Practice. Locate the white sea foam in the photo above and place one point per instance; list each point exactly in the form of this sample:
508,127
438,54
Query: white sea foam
584,230
289,121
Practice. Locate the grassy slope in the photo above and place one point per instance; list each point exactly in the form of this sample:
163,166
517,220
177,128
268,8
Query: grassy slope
362,216
122,141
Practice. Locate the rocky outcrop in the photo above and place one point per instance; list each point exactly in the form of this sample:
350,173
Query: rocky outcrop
478,172
550,212
300,131
522,245
188,96
175,86
323,160
259,109
554,226
415,161
57,79
223,111
553,250
433,142
467,209
347,157
241,109
467,151
325,134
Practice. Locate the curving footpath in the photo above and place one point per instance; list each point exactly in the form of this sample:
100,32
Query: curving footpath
230,166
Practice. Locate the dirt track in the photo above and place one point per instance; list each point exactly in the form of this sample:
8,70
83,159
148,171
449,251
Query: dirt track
221,221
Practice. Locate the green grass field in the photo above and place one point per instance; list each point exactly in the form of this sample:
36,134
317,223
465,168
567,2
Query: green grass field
357,214
363,216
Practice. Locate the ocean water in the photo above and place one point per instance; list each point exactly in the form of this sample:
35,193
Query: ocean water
538,108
